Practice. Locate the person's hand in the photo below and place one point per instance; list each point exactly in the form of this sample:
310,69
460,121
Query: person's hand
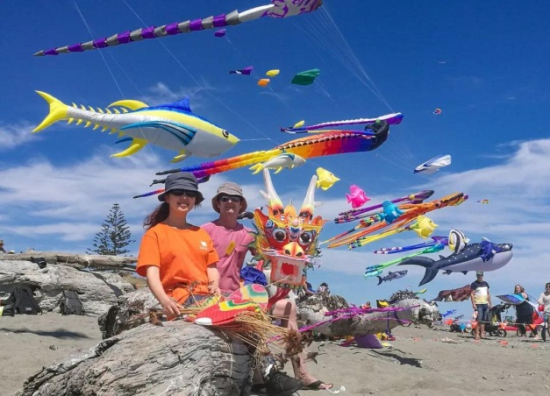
214,289
170,307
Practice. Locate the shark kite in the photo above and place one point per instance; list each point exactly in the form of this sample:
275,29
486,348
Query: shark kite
484,256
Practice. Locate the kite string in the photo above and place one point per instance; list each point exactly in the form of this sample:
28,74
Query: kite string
341,51
309,161
109,68
100,53
196,81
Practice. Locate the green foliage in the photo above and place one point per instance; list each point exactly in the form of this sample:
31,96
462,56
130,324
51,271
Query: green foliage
114,236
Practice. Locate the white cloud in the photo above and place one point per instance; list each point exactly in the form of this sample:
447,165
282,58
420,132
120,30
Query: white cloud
14,135
62,207
160,93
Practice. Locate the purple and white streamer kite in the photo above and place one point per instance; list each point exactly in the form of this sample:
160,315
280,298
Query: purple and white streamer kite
277,9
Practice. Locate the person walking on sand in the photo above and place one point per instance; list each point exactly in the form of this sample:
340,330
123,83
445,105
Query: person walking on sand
544,300
481,303
2,246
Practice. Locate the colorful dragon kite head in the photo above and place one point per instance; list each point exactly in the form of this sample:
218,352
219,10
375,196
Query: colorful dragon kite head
285,238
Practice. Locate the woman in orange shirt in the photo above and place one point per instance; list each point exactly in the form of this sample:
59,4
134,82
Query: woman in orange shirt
177,258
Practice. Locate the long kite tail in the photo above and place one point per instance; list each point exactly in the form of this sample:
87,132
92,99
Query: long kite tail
277,9
328,143
356,214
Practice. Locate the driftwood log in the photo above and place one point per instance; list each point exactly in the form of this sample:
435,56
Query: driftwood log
79,261
122,316
97,291
313,309
177,358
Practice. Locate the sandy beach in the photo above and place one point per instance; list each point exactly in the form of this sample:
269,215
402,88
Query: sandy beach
420,362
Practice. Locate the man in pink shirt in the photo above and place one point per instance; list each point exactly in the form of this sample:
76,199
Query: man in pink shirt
231,241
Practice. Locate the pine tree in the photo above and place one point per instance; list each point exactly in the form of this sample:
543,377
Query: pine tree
114,236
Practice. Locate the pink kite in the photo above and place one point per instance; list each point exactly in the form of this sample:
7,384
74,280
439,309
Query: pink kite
357,197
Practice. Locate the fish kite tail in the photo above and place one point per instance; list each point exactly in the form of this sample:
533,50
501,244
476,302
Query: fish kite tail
379,280
58,111
256,168
348,197
425,262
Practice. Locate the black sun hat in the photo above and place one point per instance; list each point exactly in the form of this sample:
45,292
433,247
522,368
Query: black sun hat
181,181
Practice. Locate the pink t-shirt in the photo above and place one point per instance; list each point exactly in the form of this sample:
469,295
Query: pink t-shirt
231,246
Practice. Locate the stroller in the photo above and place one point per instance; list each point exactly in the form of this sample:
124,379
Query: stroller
496,327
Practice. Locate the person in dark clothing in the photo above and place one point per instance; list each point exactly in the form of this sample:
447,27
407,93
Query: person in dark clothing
2,246
524,312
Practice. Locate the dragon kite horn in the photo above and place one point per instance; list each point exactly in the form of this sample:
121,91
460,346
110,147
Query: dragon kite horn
306,211
275,203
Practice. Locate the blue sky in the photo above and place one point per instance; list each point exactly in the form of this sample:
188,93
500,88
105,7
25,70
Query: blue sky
485,64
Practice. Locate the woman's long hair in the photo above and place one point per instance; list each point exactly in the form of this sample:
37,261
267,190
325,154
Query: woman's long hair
521,288
157,216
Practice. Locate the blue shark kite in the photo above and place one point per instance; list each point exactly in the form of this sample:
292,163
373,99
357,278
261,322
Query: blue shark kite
484,256
172,126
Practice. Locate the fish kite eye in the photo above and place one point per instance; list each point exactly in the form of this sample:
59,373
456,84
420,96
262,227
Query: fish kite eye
225,133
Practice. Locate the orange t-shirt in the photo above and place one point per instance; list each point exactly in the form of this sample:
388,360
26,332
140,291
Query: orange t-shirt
182,257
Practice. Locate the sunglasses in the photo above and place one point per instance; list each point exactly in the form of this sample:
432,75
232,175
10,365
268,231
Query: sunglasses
233,198
187,193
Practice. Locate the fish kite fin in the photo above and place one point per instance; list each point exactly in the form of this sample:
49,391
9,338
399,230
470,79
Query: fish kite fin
180,157
425,262
137,144
129,104
58,111
256,168
379,280
465,272
278,170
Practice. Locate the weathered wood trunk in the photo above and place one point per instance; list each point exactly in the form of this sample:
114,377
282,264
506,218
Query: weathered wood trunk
122,316
177,358
313,309
79,261
97,291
